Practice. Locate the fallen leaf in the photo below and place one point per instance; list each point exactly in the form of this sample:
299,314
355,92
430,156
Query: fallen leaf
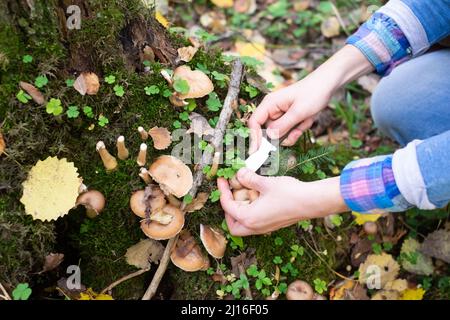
251,49
52,261
386,295
223,3
361,218
198,202
186,53
51,189
412,294
73,293
245,6
87,83
330,27
90,294
398,285
288,57
360,251
143,253
161,137
245,259
161,19
348,290
384,263
422,264
199,125
437,245
2,144
369,82
301,5
34,92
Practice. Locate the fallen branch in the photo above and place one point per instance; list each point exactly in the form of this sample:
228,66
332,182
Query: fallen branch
4,295
125,278
224,119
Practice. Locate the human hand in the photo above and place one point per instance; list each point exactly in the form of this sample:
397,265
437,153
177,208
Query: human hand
282,201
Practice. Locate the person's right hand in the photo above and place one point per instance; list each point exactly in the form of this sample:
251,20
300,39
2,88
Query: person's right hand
290,111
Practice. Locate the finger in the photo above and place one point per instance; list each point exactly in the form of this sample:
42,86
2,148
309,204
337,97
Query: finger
283,125
251,180
255,137
297,132
230,206
237,229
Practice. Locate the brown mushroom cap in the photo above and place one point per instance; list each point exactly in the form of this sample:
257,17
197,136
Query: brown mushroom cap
246,195
173,176
235,184
161,137
299,290
137,201
370,227
87,83
93,201
199,83
187,255
158,231
177,101
213,240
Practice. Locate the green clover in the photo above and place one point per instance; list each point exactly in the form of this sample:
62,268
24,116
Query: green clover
118,90
23,97
151,90
40,81
27,58
181,86
21,292
72,112
54,107
110,79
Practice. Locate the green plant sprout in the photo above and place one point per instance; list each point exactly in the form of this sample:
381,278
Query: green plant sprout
277,260
236,242
296,251
88,112
23,97
187,199
27,58
151,90
72,112
181,86
118,90
70,82
110,79
41,81
336,220
261,279
184,116
176,124
215,195
213,103
320,286
213,121
54,107
252,91
278,241
21,292
102,121
305,224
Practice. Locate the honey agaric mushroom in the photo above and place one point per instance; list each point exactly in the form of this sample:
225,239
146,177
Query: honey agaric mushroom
246,195
370,227
199,83
143,173
213,240
87,83
122,151
159,231
93,201
143,133
177,101
109,161
187,255
235,184
161,138
299,290
142,156
155,201
173,176
37,96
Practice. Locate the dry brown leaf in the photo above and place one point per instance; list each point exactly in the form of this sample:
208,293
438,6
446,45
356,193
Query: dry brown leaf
348,290
186,53
301,5
161,137
330,27
387,267
161,217
198,202
245,259
2,144
143,253
37,96
52,261
386,295
214,21
87,83
200,126
398,285
289,57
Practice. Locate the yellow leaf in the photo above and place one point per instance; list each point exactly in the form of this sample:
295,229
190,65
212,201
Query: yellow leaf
330,27
103,296
223,3
361,218
2,144
412,294
51,189
381,268
251,49
84,296
161,19
90,294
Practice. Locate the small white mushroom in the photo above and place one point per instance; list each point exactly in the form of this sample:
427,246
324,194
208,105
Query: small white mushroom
122,151
109,161
143,133
142,156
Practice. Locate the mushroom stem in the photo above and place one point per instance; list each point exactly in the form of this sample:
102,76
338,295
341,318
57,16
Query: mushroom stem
215,165
142,156
122,151
145,176
109,161
173,200
143,133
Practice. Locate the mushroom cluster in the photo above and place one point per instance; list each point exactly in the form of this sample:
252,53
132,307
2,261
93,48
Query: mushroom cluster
241,194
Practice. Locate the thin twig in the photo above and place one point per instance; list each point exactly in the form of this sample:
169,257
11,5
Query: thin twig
125,278
5,295
338,16
224,119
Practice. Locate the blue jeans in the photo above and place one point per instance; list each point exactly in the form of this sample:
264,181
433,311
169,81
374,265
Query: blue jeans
413,102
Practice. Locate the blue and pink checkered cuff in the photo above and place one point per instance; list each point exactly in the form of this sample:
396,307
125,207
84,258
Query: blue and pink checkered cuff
383,43
368,186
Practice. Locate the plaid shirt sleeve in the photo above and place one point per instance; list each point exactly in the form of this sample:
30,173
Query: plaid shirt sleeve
368,186
383,43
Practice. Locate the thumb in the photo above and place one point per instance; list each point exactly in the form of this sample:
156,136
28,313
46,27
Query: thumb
251,180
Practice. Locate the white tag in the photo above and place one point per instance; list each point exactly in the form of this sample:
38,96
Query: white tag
257,159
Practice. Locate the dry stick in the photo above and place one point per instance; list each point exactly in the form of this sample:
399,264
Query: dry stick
125,278
5,294
224,119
